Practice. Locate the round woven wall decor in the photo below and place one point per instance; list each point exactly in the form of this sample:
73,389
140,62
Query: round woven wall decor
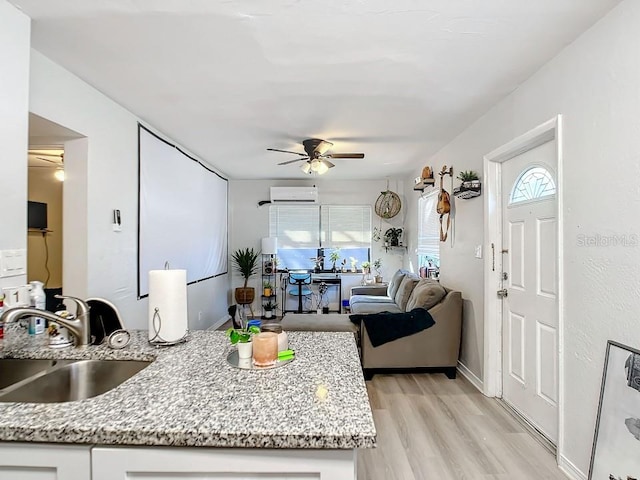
388,204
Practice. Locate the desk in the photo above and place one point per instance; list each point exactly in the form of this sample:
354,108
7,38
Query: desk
330,279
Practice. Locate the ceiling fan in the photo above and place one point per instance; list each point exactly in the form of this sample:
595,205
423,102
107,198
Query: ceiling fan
317,156
55,160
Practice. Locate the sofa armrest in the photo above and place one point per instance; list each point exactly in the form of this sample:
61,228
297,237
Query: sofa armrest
438,346
369,290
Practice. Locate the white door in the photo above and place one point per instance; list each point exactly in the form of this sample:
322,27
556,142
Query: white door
530,312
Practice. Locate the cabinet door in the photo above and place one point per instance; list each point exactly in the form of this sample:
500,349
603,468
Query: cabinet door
38,461
166,463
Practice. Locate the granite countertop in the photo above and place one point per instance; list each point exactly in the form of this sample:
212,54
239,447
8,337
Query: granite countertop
191,396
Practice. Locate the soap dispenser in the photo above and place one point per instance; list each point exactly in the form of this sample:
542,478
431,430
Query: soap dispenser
39,301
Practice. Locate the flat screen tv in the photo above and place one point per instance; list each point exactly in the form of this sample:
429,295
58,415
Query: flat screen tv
37,215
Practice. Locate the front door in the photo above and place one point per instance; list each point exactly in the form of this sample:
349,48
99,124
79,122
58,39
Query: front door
530,310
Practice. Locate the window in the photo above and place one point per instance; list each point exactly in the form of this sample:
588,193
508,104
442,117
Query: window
308,231
533,184
428,232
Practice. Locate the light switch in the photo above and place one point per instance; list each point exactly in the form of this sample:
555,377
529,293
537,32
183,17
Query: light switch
13,262
478,251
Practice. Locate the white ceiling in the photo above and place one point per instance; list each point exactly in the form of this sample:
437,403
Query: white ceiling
228,79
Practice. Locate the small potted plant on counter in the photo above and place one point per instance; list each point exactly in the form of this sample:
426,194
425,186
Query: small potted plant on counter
246,263
334,256
269,307
377,265
354,264
241,337
267,288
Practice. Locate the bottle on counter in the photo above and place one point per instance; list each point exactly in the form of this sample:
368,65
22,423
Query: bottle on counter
39,301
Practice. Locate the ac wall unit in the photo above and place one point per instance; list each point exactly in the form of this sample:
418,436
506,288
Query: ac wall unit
294,195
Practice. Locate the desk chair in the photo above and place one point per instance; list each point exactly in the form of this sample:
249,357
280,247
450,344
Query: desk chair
300,279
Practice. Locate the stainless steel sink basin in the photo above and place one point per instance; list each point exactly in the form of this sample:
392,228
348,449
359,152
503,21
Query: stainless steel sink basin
72,381
13,370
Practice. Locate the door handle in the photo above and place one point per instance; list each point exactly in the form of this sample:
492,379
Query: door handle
502,293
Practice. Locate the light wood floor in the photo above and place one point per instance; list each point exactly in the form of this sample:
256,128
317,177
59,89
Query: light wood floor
430,427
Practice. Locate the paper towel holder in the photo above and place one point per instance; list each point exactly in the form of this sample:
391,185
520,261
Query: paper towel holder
157,340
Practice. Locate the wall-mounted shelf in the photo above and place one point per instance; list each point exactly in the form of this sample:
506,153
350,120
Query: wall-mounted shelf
399,249
465,193
424,183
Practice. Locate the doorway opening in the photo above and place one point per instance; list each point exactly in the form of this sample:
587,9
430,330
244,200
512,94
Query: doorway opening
523,332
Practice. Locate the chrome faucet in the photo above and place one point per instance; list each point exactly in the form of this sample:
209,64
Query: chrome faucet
79,326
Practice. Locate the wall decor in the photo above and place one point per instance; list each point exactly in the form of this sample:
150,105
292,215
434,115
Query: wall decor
616,444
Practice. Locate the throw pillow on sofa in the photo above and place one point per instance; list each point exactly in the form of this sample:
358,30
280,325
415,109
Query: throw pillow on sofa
425,294
394,283
405,289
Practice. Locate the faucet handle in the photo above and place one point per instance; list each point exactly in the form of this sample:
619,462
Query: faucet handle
82,307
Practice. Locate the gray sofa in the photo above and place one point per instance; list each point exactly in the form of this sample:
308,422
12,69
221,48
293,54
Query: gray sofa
436,348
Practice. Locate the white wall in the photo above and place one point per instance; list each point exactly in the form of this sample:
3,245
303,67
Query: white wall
594,84
111,172
15,30
249,223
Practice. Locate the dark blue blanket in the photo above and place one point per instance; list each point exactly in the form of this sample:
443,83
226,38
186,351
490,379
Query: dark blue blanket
385,327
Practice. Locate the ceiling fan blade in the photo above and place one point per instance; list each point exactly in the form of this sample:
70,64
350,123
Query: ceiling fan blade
294,161
47,160
346,155
287,151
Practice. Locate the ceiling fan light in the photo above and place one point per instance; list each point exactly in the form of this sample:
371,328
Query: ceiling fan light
306,167
318,166
59,175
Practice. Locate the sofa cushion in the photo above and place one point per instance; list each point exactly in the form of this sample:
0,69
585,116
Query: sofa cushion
394,283
369,299
404,290
425,294
364,307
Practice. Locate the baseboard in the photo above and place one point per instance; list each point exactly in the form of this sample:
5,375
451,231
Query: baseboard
469,375
219,322
570,470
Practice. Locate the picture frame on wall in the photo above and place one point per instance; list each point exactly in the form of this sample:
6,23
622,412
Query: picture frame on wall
616,442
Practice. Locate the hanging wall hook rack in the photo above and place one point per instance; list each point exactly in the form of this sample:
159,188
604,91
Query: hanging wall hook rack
446,171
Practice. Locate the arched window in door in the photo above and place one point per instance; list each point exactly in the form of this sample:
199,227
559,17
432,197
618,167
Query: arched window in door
535,183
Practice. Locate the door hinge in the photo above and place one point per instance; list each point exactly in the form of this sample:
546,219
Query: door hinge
502,293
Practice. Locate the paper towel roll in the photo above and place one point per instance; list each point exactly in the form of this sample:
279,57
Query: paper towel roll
168,293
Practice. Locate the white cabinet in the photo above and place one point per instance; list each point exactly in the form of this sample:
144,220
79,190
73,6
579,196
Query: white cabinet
166,463
34,461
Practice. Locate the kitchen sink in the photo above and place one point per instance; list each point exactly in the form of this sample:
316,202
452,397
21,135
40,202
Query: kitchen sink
14,370
68,381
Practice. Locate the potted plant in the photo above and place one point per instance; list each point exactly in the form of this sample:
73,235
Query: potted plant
242,338
246,263
267,288
354,264
377,265
344,265
366,267
392,237
469,179
269,308
334,256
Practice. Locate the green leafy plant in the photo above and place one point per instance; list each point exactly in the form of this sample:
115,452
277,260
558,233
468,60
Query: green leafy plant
270,306
377,265
241,335
267,284
468,176
392,235
246,263
365,266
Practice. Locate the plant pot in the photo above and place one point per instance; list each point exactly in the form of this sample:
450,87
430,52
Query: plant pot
378,278
266,292
268,313
245,350
245,296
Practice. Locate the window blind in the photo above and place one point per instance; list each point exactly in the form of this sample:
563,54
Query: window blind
428,225
345,226
295,226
